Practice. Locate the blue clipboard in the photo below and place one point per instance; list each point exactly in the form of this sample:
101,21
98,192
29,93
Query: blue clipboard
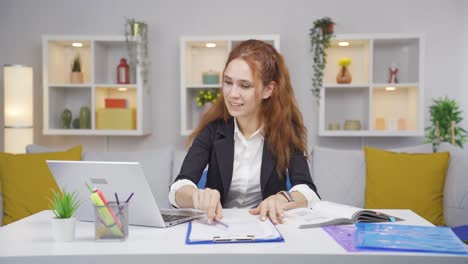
231,239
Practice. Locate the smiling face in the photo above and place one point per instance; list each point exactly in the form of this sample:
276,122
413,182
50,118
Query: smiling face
239,91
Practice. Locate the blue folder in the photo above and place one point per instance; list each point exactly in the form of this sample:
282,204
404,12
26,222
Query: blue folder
436,239
461,232
247,238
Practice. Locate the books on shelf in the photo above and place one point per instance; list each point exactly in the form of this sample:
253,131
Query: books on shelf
326,213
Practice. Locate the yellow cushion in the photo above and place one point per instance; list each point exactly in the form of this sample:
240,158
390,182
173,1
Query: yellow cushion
27,182
407,181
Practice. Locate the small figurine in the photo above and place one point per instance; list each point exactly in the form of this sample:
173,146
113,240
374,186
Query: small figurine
392,73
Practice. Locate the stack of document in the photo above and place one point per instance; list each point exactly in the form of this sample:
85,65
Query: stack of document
238,226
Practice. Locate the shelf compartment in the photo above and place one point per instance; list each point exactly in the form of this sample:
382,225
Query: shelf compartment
107,57
359,51
60,58
395,110
72,98
128,115
345,103
403,52
199,59
194,111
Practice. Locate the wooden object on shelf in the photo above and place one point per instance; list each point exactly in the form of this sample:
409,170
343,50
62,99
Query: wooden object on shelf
380,123
401,124
76,77
352,125
344,76
116,119
99,57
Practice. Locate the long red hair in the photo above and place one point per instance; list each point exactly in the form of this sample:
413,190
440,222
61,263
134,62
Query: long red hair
283,126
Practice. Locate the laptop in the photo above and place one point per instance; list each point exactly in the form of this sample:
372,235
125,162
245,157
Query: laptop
123,178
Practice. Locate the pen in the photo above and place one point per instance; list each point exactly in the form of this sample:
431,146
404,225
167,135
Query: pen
118,204
128,199
217,222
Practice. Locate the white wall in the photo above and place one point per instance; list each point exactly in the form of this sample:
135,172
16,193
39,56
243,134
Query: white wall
464,74
22,22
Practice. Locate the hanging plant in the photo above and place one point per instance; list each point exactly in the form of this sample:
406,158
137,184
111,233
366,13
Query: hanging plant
320,36
445,119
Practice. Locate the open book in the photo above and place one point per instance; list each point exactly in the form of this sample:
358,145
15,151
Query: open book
326,213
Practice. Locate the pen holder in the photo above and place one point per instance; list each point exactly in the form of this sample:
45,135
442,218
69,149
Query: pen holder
111,221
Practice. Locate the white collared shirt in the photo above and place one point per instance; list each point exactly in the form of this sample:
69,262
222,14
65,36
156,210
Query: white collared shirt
245,190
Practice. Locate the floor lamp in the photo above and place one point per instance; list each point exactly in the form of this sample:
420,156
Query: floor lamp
18,107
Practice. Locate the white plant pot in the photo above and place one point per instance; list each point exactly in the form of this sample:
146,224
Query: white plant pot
63,229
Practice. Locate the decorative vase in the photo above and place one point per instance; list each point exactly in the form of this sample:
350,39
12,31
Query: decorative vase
66,118
76,123
344,76
85,118
63,229
328,29
76,77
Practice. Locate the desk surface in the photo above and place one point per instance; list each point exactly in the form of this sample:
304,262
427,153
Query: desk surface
30,241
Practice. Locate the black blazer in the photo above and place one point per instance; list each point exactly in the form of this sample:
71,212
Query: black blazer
215,146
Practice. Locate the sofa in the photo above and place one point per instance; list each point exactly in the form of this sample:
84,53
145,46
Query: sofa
338,174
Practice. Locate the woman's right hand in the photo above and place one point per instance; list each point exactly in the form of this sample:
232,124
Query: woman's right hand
208,200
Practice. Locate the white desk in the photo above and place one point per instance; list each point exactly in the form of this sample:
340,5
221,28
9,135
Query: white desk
30,241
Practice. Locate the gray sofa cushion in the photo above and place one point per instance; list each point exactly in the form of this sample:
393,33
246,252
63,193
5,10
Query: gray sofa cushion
456,186
339,175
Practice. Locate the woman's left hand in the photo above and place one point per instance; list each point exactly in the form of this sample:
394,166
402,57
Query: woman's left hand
273,207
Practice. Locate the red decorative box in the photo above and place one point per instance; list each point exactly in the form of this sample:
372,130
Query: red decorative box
115,103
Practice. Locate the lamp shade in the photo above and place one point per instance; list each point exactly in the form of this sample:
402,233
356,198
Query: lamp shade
18,107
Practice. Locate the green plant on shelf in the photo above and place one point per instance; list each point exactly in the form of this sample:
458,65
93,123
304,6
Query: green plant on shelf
76,66
207,96
64,204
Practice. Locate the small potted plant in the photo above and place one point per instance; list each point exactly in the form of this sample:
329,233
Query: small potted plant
320,36
63,205
445,120
206,99
76,76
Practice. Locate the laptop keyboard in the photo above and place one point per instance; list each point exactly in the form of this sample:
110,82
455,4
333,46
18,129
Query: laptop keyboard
170,218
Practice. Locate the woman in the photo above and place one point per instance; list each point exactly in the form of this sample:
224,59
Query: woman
251,137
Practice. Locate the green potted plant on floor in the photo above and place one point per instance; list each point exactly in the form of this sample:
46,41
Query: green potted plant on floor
445,120
320,36
63,204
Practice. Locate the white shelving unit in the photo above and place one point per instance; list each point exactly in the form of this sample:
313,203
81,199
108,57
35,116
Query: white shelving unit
196,59
382,108
99,56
